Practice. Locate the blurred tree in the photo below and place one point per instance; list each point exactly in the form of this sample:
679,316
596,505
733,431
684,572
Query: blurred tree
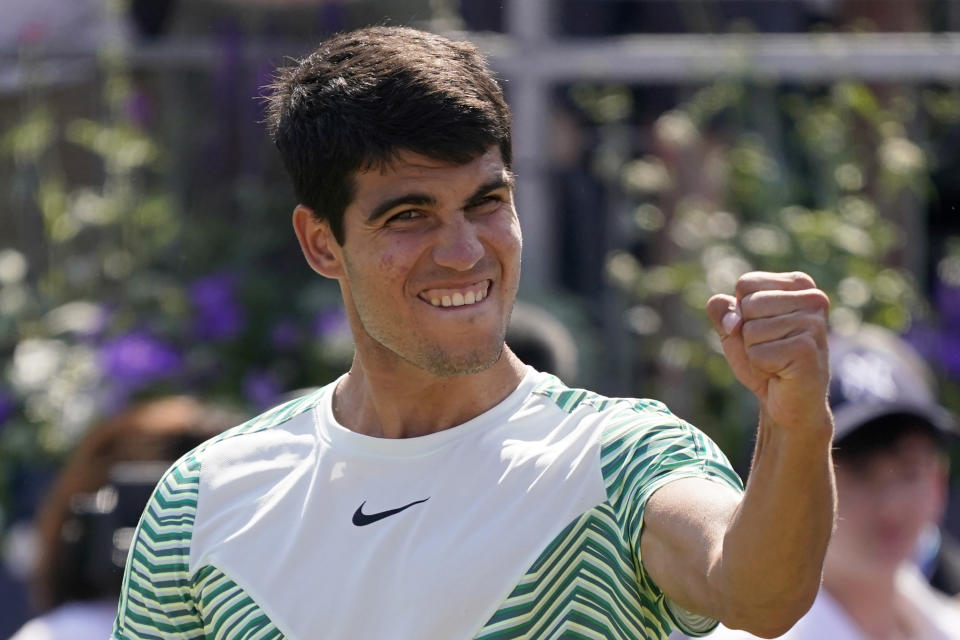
831,180
116,283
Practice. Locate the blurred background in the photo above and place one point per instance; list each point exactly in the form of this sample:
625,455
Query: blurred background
663,147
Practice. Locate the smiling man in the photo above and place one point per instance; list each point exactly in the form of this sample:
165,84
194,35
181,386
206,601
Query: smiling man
441,489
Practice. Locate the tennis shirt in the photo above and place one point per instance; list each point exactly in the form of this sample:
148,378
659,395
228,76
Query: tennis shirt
523,522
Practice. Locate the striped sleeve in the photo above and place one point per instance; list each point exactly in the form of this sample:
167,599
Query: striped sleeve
156,600
642,450
159,598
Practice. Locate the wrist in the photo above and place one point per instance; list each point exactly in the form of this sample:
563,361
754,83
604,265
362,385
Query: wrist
813,430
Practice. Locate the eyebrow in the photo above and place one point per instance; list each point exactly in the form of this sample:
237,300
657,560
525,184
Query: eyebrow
423,199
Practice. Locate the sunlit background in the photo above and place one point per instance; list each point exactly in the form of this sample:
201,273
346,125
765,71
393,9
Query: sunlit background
663,147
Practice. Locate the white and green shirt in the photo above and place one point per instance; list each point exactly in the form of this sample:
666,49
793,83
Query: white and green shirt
522,523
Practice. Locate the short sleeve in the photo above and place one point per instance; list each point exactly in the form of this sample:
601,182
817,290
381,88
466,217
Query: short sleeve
156,600
643,448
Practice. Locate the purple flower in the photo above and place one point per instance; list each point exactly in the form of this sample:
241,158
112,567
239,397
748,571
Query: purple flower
262,389
218,315
138,358
939,348
285,335
948,304
139,109
7,407
950,354
925,339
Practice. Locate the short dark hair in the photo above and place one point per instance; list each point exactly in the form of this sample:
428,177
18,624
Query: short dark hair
365,95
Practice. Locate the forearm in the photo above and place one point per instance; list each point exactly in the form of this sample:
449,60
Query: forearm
773,548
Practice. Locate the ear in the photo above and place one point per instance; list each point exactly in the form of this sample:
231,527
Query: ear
319,246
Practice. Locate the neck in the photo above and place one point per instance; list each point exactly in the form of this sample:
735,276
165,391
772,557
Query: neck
875,605
411,403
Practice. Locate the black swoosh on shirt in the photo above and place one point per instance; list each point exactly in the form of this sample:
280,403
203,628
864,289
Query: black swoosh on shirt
362,519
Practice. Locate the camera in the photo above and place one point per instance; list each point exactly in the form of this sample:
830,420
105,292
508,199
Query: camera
96,538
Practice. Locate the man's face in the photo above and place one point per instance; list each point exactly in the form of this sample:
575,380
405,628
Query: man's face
884,503
431,263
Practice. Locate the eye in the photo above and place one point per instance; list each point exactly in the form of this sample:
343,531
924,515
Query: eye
405,216
486,203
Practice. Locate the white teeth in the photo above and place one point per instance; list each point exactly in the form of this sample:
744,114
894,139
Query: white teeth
455,299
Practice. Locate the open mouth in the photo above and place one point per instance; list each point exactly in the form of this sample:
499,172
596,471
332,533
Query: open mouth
457,297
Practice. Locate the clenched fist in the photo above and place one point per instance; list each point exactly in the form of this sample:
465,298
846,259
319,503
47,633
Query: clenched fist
774,334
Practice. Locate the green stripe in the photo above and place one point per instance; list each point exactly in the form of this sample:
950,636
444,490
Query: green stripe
589,581
160,599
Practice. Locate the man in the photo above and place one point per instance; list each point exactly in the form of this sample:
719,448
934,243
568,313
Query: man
891,482
441,489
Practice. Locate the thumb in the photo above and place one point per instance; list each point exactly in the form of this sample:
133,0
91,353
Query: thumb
724,313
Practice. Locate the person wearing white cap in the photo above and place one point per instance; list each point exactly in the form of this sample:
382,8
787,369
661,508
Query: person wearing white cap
890,445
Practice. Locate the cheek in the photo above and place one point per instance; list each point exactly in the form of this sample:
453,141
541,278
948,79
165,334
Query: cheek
928,502
509,239
853,514
390,260
857,505
387,262
515,233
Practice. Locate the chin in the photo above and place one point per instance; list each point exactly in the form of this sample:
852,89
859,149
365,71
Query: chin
446,365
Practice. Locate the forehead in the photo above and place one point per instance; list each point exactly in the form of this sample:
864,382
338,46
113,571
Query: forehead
407,171
910,452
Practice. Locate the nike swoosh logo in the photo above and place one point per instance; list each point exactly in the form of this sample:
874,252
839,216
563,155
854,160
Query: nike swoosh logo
362,519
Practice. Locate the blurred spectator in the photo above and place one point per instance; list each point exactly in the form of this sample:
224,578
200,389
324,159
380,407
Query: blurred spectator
87,520
543,342
890,456
77,28
79,24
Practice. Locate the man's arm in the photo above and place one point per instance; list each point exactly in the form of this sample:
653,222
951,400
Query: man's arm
755,562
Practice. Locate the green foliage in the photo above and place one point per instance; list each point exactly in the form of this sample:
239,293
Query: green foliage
829,180
127,290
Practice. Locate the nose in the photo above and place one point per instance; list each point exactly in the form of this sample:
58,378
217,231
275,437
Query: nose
458,246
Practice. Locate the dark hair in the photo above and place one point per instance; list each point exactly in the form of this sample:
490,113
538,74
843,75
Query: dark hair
884,435
364,95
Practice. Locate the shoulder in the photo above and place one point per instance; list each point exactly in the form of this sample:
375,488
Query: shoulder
88,619
571,399
938,609
632,426
279,424
271,419
172,511
642,443
621,420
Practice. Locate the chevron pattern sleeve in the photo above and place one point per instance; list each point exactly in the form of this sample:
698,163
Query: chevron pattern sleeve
644,449
157,597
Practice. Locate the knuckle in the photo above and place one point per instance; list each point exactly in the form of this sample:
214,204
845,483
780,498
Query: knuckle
818,323
823,299
803,278
815,299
